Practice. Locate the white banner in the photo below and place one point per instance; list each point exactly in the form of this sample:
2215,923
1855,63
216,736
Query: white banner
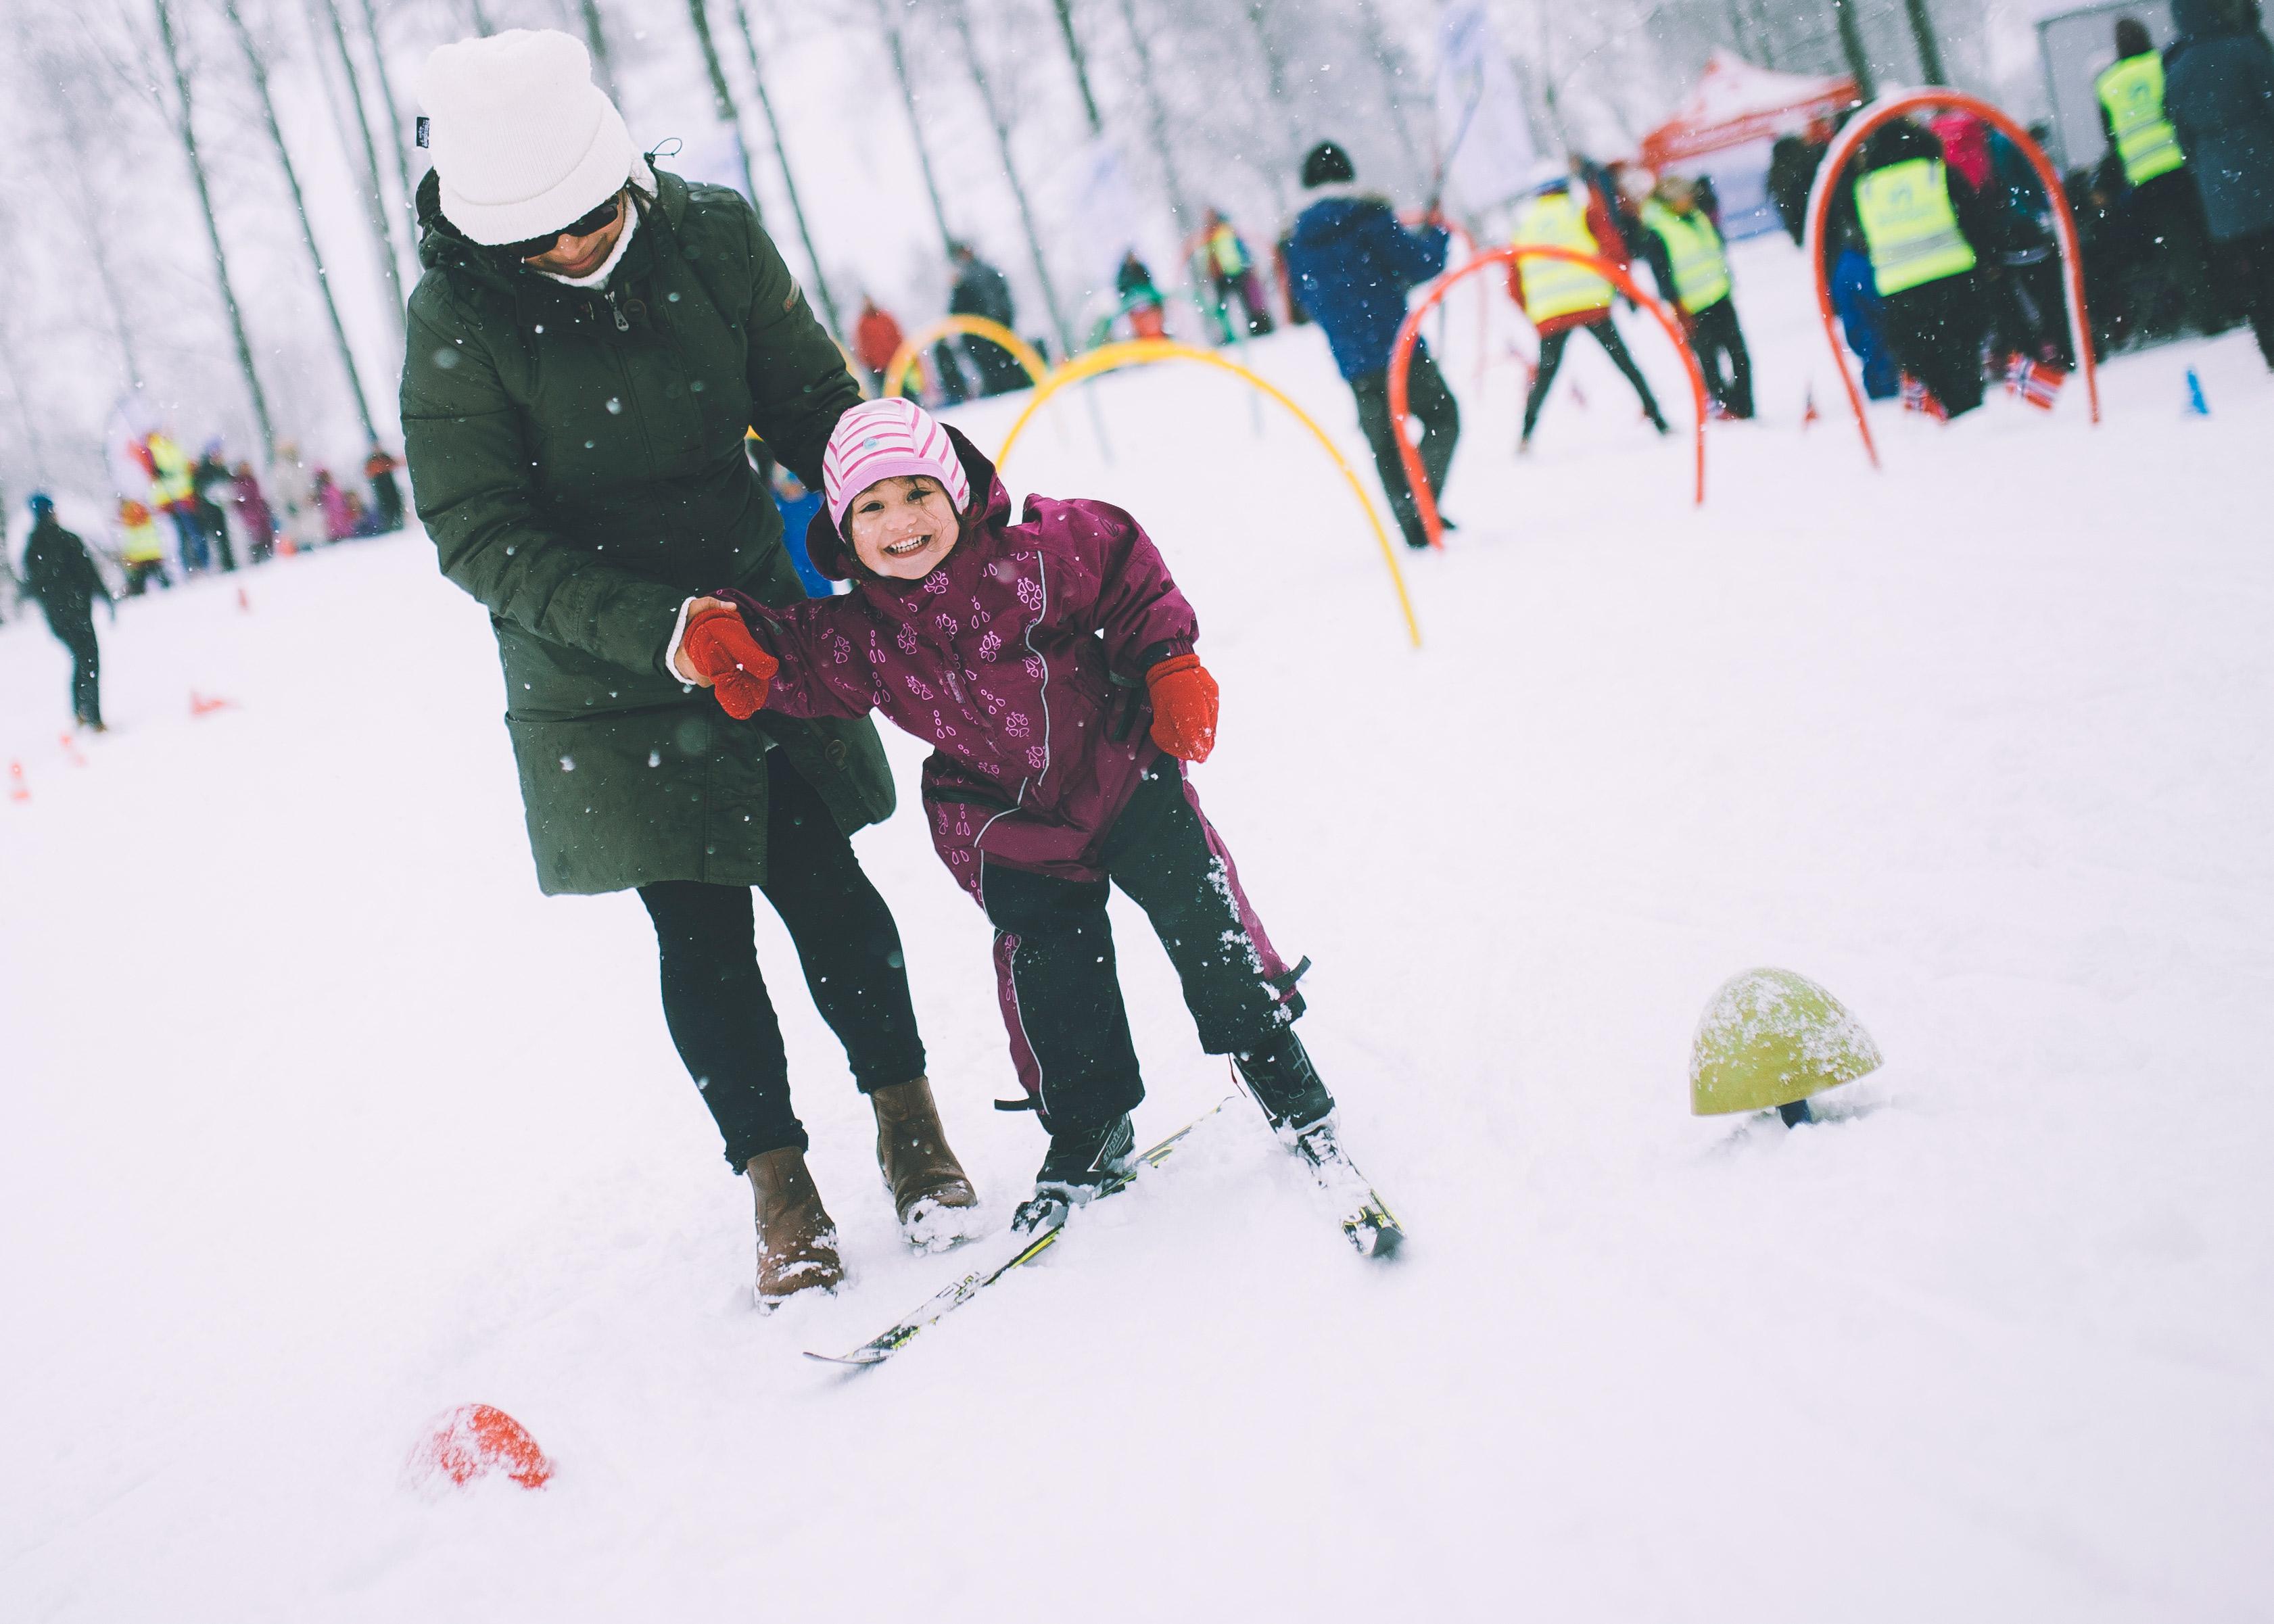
1484,140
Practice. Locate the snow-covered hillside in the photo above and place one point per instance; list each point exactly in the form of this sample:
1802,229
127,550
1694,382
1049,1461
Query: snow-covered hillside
319,1120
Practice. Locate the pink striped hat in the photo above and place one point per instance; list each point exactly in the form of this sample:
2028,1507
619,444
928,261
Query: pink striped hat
885,439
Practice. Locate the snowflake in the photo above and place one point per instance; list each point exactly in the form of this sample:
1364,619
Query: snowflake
1030,595
1017,726
991,645
917,686
906,639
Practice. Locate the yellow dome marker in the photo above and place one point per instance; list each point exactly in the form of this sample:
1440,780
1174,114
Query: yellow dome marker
1768,1040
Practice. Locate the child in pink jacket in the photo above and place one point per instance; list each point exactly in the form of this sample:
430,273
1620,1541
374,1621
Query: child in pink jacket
1050,665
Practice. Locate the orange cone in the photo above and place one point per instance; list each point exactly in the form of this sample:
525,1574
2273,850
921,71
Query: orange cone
70,750
243,602
475,1440
17,790
1808,412
199,706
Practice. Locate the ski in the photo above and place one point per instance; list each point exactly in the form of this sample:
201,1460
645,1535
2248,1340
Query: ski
1367,1219
956,1293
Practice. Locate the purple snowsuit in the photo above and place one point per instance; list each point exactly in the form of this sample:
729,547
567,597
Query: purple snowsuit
1022,659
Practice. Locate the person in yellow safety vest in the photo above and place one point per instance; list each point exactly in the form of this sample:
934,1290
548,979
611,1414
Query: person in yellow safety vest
1231,268
1559,296
1922,224
1692,267
173,492
2160,209
143,553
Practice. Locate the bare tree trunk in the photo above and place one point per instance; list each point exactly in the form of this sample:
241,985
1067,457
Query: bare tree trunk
393,122
960,11
185,130
375,198
1930,50
1081,64
1851,45
1275,76
85,196
915,121
723,95
259,68
789,180
596,40
481,19
32,435
1158,114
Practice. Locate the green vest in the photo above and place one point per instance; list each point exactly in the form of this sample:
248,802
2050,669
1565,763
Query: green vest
1701,270
1553,288
2132,91
1912,230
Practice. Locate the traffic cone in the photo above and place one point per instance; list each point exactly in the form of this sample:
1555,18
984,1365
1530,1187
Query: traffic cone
243,602
70,750
1770,1039
1808,412
2197,407
473,1440
17,790
200,705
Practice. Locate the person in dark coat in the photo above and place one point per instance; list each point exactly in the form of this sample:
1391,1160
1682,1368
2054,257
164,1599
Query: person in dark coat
387,496
2161,209
981,291
252,512
1930,242
1350,264
212,484
589,345
2219,92
60,573
1793,163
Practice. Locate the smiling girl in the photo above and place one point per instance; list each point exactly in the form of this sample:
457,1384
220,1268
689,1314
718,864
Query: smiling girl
1049,663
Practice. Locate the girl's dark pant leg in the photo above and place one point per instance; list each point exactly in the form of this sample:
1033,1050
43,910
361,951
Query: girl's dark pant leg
715,999
1069,1029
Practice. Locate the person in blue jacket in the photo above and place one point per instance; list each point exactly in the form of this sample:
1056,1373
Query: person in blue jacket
1349,265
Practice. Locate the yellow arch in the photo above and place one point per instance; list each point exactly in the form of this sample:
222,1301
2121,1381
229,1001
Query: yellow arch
978,327
1142,352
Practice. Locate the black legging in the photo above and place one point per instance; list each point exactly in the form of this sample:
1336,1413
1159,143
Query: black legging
1719,345
74,627
1433,408
1551,362
715,1001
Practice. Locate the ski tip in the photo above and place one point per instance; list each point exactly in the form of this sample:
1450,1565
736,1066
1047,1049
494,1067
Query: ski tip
862,1360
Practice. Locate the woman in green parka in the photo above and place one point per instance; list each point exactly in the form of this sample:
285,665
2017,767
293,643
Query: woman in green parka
589,342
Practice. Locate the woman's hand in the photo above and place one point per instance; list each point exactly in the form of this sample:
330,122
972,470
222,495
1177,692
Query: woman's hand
683,667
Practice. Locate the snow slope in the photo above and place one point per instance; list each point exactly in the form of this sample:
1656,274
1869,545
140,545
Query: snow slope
321,1120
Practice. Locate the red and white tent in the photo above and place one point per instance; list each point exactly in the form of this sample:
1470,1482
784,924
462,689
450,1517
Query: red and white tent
1737,103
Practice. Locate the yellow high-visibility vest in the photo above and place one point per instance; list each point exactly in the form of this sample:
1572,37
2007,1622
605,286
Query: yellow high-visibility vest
1553,288
1701,270
1910,226
1223,248
2132,91
142,543
174,482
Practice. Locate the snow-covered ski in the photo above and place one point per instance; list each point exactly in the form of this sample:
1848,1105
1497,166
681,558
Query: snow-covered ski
956,1293
1365,1217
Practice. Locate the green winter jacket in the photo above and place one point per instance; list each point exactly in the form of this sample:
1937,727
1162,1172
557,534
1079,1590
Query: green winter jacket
577,456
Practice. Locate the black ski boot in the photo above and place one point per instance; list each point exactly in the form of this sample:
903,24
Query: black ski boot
1286,1084
1078,1165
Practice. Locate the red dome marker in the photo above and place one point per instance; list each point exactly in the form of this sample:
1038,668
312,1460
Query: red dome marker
475,1440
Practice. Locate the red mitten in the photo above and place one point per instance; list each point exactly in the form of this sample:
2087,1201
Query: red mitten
717,644
1184,707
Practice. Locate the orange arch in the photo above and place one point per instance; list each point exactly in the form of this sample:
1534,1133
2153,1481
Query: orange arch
1819,208
1400,358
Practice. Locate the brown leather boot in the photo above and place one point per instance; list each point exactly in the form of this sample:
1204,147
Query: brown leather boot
929,1189
797,1239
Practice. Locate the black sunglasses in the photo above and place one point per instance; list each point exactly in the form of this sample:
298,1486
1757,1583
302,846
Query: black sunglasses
583,225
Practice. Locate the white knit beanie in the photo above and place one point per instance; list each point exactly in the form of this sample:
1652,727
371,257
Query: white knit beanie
524,141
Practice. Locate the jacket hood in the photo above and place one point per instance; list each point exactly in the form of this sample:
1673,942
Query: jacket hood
831,555
1328,218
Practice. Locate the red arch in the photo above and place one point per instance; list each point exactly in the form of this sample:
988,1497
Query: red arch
1819,207
1401,359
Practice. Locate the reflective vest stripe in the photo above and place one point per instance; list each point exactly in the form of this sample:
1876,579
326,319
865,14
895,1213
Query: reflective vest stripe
1553,288
1701,270
2132,92
1912,230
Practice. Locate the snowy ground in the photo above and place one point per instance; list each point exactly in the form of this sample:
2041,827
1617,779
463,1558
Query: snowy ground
319,1120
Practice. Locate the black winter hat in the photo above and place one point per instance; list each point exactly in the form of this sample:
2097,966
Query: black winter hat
1327,164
